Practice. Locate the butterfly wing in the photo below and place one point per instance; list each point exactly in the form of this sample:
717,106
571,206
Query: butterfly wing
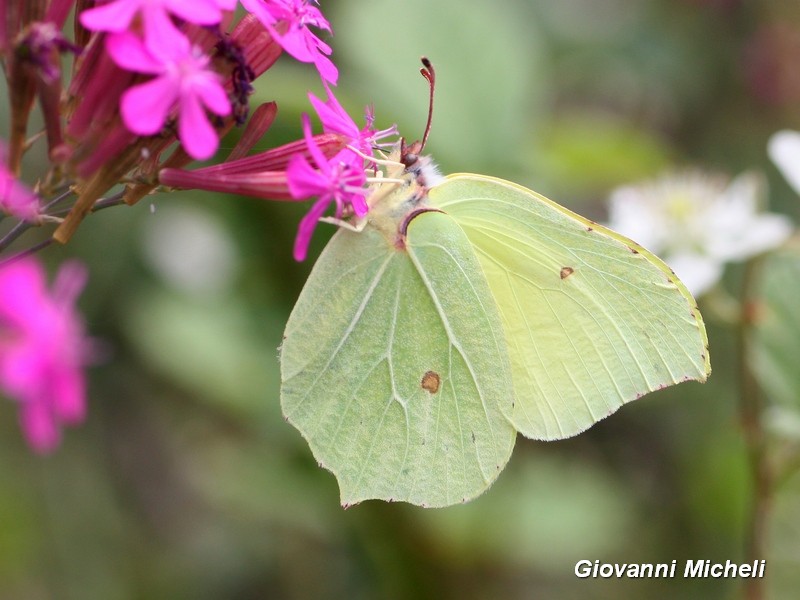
592,320
394,367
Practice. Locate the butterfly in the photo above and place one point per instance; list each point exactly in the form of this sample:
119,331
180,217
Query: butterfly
462,310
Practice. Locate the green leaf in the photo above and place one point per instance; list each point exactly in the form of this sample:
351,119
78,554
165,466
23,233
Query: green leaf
776,339
394,367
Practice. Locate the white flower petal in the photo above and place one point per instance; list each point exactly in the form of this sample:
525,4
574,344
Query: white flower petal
191,250
734,231
762,233
744,193
697,272
633,216
784,150
701,221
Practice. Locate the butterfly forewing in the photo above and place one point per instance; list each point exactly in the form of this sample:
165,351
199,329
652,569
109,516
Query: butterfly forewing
591,319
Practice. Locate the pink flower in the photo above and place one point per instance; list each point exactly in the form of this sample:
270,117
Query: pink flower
183,78
336,120
15,198
333,180
117,16
42,349
288,21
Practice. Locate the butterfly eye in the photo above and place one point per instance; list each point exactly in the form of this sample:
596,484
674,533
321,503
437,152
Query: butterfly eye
409,159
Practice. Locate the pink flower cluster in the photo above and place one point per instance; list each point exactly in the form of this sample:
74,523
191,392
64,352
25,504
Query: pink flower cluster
340,179
330,167
185,83
288,21
154,85
15,197
42,349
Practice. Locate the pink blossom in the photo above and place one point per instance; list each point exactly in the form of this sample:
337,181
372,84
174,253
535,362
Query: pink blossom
336,120
183,78
42,349
288,21
15,198
118,15
333,180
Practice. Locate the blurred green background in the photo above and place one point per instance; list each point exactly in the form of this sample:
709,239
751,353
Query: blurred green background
186,482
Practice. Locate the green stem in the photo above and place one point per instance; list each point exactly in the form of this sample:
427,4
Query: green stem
751,413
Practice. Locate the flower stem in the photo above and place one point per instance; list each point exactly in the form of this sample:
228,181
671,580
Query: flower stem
114,200
21,227
27,252
13,234
751,413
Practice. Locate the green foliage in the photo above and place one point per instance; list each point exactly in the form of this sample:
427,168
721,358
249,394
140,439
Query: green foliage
775,348
776,343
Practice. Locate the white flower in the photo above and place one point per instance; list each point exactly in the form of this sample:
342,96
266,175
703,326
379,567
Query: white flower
784,150
698,222
190,249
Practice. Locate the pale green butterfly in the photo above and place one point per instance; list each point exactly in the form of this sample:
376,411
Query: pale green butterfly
462,310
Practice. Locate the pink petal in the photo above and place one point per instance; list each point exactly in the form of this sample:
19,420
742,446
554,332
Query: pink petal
162,38
39,427
200,12
359,204
130,53
15,197
213,95
327,70
43,349
22,286
333,116
70,281
259,11
198,137
306,228
114,16
69,393
22,369
315,17
145,107
304,181
313,149
20,202
301,43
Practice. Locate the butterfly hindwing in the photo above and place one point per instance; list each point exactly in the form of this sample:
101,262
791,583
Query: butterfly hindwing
395,370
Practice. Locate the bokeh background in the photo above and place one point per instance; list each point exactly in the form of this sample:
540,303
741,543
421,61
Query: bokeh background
186,482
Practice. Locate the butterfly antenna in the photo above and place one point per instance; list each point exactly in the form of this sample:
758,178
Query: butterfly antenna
428,73
409,154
